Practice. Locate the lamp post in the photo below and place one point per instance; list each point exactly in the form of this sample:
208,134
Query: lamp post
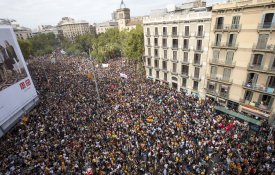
94,73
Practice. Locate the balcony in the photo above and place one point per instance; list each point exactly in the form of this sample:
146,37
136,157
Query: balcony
149,66
175,34
156,35
185,49
174,47
148,35
211,91
165,70
197,64
175,60
185,61
263,48
267,26
221,79
186,35
256,67
256,105
196,78
227,28
156,45
231,46
184,74
148,45
157,67
199,34
198,49
157,57
165,59
259,88
164,34
224,95
224,63
271,70
174,72
165,46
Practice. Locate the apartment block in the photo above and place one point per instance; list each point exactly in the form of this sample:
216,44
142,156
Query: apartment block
176,46
241,64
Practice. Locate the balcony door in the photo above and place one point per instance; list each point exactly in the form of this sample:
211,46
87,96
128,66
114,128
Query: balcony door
235,22
229,57
262,41
218,39
213,72
226,74
267,21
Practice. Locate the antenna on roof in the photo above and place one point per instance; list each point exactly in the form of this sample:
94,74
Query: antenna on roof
122,4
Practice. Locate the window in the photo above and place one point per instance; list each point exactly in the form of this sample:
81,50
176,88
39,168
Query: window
150,72
197,58
216,54
164,42
213,71
185,57
164,31
184,82
164,65
149,61
229,57
218,39
185,44
273,64
212,86
271,83
156,52
165,54
232,40
184,70
149,51
174,55
148,41
186,31
200,30
262,41
148,31
156,64
156,41
157,74
174,31
197,72
224,90
156,31
257,60
248,96
219,23
165,76
195,85
252,79
174,67
174,79
226,74
268,20
199,45
175,43
266,101
235,22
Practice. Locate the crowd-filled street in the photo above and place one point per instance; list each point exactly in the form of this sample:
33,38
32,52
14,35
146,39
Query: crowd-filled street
136,127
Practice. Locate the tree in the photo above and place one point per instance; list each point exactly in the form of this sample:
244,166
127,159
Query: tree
26,48
134,47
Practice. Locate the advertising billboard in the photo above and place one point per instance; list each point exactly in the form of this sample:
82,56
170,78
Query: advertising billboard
17,92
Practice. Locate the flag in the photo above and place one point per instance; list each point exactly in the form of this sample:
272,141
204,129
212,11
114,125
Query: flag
123,75
229,126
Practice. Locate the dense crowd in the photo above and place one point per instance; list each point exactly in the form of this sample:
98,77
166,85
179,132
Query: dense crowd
136,127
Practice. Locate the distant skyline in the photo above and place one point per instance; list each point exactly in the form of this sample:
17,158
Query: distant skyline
31,13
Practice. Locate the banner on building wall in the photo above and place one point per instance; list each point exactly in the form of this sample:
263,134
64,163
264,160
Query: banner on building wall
17,91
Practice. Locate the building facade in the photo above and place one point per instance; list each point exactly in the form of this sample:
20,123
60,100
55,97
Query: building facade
104,26
20,31
70,28
241,69
176,46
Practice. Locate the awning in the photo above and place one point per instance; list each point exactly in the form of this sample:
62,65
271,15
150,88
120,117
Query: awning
254,111
238,115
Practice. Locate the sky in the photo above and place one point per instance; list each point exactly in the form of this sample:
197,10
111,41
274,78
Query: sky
31,13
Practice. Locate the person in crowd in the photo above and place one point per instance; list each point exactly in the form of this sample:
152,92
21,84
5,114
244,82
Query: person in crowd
136,127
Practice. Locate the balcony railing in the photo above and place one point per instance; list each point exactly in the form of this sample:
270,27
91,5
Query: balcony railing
164,34
165,69
164,46
148,45
184,61
175,60
256,67
233,46
165,59
228,27
184,48
221,79
263,48
259,88
175,47
157,57
198,49
156,45
224,94
199,34
174,72
266,26
148,34
196,63
156,34
174,34
271,69
256,105
211,91
186,35
184,74
223,63
196,78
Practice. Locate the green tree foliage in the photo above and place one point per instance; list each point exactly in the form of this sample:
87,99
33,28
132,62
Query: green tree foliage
26,48
134,46
43,44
